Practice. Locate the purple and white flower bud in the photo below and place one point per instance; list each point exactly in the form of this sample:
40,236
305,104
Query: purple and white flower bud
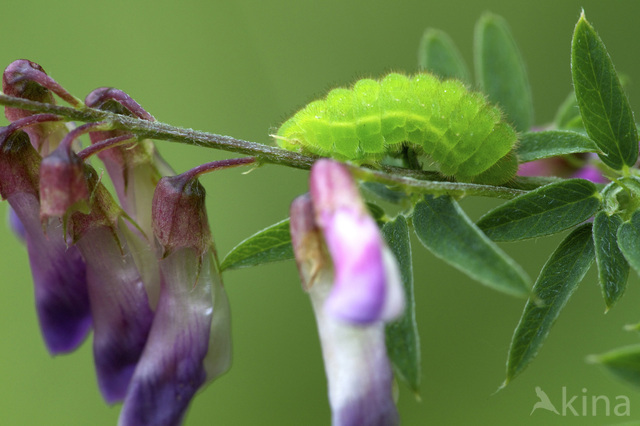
358,371
190,340
367,285
62,301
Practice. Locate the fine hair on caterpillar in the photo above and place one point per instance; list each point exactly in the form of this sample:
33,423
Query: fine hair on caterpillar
465,135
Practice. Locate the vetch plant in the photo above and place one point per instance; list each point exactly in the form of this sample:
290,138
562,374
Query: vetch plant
140,269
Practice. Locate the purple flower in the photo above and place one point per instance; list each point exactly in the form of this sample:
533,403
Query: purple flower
120,308
571,166
592,173
16,225
355,289
190,340
119,305
58,271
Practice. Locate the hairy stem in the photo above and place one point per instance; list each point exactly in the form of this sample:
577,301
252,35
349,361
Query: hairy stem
408,180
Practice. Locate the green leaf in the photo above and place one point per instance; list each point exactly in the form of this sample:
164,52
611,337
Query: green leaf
568,115
544,211
628,237
500,70
443,228
272,244
538,145
438,54
377,213
623,363
558,280
384,192
604,107
403,341
613,268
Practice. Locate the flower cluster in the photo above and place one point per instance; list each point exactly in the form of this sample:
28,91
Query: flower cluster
141,273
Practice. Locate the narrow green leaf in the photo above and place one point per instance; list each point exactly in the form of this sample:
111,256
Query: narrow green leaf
623,363
544,211
443,228
613,268
384,192
500,70
403,341
377,213
556,283
628,238
272,244
537,145
568,115
604,107
438,54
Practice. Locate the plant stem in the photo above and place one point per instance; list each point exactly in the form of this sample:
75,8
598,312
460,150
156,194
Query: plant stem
408,180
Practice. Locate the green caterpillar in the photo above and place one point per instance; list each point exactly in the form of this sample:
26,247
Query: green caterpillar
464,134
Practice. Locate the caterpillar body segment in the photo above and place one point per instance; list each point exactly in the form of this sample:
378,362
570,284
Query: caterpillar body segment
463,133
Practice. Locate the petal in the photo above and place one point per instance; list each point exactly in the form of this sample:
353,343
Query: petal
189,342
357,368
333,188
16,225
591,173
394,302
60,285
121,313
355,245
554,166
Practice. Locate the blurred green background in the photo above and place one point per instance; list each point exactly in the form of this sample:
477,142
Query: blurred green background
240,68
